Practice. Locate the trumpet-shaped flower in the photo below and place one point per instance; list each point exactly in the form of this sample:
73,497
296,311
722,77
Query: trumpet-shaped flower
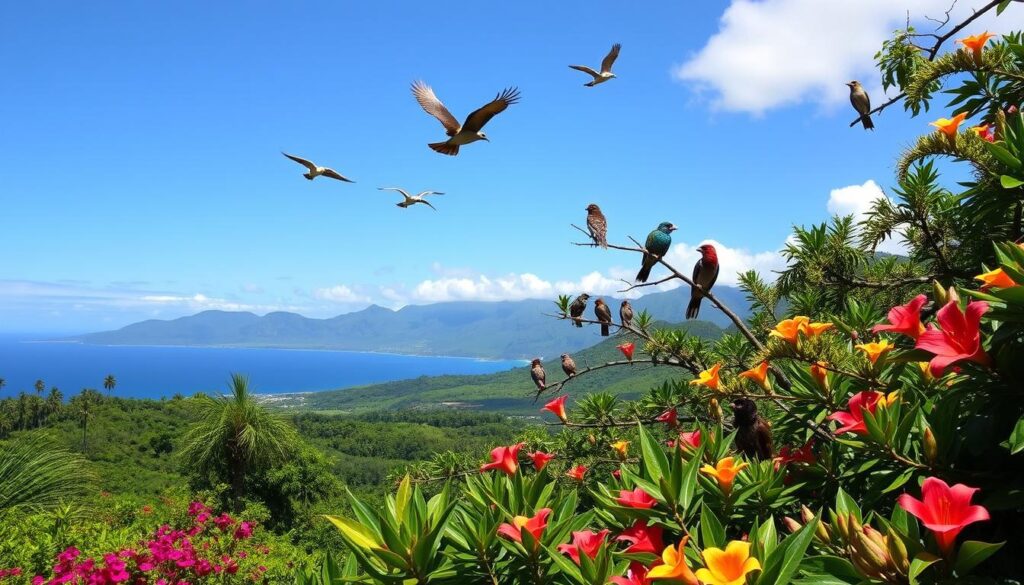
905,319
852,420
729,566
637,498
944,510
708,378
535,525
635,575
819,372
976,43
791,329
690,439
789,455
587,542
875,349
984,132
725,471
959,338
627,350
557,406
759,375
621,448
577,472
674,568
669,417
540,459
995,279
504,458
642,538
949,127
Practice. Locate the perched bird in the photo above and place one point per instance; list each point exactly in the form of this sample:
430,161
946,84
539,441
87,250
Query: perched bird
568,365
577,307
471,129
862,103
705,273
604,315
538,375
315,171
753,435
626,314
606,67
597,225
411,200
657,245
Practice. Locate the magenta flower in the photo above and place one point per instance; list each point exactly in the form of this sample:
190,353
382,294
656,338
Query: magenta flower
642,538
852,420
905,319
587,542
959,338
944,510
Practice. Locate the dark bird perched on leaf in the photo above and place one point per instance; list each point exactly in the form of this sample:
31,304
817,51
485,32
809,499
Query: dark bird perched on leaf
753,435
657,245
471,129
705,273
577,307
597,225
568,365
626,314
538,374
606,67
862,103
604,315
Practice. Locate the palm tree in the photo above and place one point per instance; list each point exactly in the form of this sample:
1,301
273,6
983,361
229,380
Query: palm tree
34,472
236,434
40,386
54,402
84,407
109,383
2,383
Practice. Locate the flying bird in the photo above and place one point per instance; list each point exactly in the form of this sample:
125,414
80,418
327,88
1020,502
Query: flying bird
471,129
411,200
705,273
862,103
538,375
606,67
657,245
577,307
626,314
604,315
753,435
317,171
568,365
597,225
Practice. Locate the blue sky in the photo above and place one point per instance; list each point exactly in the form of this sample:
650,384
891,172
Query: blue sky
140,173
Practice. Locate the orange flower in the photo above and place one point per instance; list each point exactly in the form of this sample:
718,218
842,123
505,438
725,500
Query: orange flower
984,132
819,371
875,349
674,567
759,375
888,399
557,406
791,329
708,378
725,472
949,127
577,472
976,43
729,566
995,278
621,448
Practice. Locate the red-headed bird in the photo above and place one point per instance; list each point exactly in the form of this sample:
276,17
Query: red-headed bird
705,273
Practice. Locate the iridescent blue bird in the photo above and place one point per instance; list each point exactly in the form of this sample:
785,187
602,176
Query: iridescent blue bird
657,245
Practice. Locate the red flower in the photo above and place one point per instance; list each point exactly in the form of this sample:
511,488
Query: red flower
617,473
535,526
627,350
852,421
788,455
642,538
905,319
636,575
587,542
959,339
944,510
577,472
637,498
504,458
691,439
557,406
669,417
540,459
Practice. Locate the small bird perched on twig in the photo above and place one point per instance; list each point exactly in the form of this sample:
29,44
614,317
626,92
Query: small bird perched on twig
862,103
657,245
604,315
568,365
577,307
626,314
753,435
538,374
471,129
705,273
598,225
411,200
606,67
317,171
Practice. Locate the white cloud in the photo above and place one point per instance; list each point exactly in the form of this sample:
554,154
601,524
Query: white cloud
732,261
772,53
339,294
857,200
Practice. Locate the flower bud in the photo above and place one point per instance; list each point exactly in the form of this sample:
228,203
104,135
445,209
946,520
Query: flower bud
952,295
715,410
874,558
842,526
898,552
822,533
931,447
806,514
592,439
790,524
939,293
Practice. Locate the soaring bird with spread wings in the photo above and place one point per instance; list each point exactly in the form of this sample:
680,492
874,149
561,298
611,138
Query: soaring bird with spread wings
468,131
606,67
316,171
411,200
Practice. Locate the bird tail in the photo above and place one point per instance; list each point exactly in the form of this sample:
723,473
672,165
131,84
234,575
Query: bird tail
444,148
577,322
866,121
589,84
604,329
693,308
645,271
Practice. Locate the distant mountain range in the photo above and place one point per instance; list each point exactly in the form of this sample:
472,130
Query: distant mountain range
505,330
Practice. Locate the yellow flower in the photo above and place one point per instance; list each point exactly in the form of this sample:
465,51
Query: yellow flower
875,349
708,378
976,43
729,566
791,329
819,371
759,375
674,567
949,127
725,472
622,448
888,399
995,278
926,370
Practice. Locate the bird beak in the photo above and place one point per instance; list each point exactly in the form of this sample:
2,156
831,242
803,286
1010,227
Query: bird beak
849,85
487,139
672,228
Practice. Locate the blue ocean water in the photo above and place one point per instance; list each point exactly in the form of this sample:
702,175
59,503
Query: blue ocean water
155,372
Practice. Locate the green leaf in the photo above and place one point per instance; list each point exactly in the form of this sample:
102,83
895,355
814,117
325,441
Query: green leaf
918,565
781,566
689,485
354,533
1009,182
972,553
1003,155
1016,441
847,505
712,534
402,497
655,461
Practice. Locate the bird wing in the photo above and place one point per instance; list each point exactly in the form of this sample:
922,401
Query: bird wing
475,121
400,190
609,59
433,106
586,70
714,277
765,447
861,101
427,203
309,165
336,175
425,193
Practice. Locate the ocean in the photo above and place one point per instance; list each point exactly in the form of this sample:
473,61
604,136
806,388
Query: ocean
160,371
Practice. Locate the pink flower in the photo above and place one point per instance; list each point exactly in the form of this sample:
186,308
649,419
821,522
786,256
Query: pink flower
636,575
587,542
642,538
905,319
944,510
690,439
243,531
196,507
959,339
627,350
223,521
540,459
577,472
637,498
504,458
669,417
852,420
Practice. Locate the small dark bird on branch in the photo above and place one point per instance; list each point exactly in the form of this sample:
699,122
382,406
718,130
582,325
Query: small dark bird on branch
657,245
568,365
604,315
538,374
862,103
626,314
598,225
753,435
577,307
705,273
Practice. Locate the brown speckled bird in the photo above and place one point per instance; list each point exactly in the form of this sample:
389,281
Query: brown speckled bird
862,103
538,374
577,307
753,435
604,315
626,314
598,225
568,365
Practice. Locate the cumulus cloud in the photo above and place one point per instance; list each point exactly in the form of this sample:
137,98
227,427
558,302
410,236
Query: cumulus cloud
339,294
733,261
509,287
773,53
857,200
